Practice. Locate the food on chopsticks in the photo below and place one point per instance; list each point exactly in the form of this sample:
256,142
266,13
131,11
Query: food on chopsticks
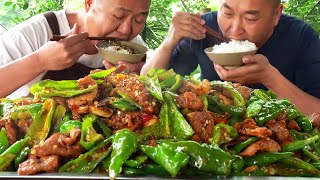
159,124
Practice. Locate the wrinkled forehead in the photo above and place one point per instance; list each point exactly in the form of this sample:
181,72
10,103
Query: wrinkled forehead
247,5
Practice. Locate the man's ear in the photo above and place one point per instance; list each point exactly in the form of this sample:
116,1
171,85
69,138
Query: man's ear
277,16
88,4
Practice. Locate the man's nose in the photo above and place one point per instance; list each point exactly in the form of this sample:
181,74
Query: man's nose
125,28
236,28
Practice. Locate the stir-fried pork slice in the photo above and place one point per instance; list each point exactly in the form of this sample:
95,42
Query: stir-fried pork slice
262,145
79,104
243,90
202,123
315,119
60,144
190,101
203,88
24,125
279,129
12,131
39,164
130,120
136,90
292,124
249,127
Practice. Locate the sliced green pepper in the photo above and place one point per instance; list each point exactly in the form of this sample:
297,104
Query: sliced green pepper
170,160
58,119
223,133
208,158
254,108
299,164
26,111
237,97
153,86
136,162
124,144
238,148
263,159
102,74
89,136
215,105
179,127
304,123
270,110
22,156
128,99
5,106
86,163
123,105
69,126
4,142
296,145
40,127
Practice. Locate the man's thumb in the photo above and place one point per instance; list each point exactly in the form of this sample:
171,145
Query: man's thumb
74,30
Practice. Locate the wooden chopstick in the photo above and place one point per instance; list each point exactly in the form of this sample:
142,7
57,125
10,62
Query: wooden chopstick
210,31
57,38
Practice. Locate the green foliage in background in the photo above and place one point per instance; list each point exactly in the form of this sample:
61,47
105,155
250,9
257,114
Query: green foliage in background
307,10
15,11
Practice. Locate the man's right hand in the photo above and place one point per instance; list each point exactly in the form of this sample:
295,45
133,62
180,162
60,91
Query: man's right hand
66,52
185,25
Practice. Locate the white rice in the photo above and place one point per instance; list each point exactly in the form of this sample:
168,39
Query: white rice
118,49
234,46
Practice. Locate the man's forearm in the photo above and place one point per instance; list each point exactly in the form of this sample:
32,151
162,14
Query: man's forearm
306,103
161,58
18,73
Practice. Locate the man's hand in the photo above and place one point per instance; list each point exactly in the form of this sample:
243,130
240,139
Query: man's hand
135,68
66,52
185,25
256,69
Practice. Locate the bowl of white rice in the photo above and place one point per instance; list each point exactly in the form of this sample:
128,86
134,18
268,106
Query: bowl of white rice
229,55
115,51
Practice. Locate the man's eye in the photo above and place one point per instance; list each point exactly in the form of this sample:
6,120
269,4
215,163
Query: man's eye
250,19
228,14
118,17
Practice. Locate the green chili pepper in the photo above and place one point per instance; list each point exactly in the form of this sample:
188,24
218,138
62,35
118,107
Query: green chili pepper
136,162
304,123
312,156
170,160
234,119
237,97
65,88
102,74
179,127
69,126
123,105
284,170
89,136
204,100
270,110
238,148
86,163
26,111
4,142
169,82
5,161
124,144
105,129
5,106
22,156
162,74
254,108
164,121
208,158
292,112
263,159
153,86
237,163
300,164
58,124
177,84
58,119
215,105
223,133
128,99
40,127
12,152
296,145
131,171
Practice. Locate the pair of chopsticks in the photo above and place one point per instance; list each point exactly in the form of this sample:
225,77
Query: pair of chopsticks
210,31
58,38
